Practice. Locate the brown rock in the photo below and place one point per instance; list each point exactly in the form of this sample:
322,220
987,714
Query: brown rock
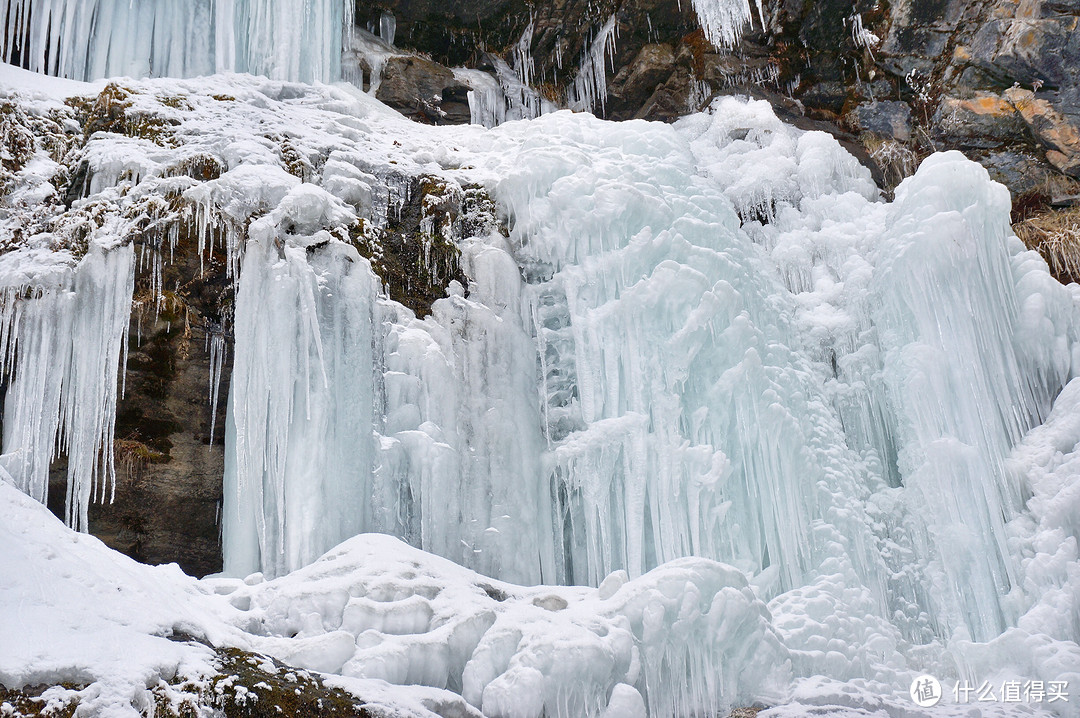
636,82
1052,128
984,120
424,90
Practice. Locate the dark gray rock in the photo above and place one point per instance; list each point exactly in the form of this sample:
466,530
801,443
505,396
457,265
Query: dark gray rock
168,472
1019,171
886,118
984,120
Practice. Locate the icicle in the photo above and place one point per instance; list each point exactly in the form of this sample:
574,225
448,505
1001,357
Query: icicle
523,59
387,27
216,341
90,39
64,344
590,86
487,101
723,20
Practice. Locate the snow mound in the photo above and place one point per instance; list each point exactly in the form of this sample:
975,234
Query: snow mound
691,632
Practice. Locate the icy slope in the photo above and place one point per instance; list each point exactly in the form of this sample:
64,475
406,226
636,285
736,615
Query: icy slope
74,610
705,340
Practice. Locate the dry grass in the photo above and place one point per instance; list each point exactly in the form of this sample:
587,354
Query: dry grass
744,713
897,160
1055,234
135,457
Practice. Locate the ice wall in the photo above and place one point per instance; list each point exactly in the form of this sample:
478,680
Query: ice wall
89,39
700,341
707,340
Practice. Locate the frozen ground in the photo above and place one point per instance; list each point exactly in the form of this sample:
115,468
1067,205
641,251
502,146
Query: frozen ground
707,340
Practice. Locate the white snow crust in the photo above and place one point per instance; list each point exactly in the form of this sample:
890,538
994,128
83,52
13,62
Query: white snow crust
794,444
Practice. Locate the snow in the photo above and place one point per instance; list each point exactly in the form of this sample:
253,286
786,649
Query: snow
75,611
777,440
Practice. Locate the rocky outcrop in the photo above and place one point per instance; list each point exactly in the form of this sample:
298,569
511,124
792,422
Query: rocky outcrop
1051,127
247,685
999,79
424,90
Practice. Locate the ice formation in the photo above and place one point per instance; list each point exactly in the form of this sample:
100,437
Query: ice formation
377,609
773,427
508,94
63,328
305,327
589,88
724,20
365,59
89,39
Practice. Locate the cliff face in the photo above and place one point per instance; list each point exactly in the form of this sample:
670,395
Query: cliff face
995,78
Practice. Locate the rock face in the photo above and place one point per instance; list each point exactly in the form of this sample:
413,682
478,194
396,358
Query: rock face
999,79
168,471
424,90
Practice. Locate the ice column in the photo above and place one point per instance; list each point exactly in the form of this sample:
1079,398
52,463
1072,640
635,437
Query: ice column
299,429
462,471
962,396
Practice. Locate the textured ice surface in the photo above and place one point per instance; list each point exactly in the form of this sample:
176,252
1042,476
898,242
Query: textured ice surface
691,635
89,39
710,339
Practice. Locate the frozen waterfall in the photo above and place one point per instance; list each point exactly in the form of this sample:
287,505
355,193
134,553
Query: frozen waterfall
90,39
749,415
635,377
